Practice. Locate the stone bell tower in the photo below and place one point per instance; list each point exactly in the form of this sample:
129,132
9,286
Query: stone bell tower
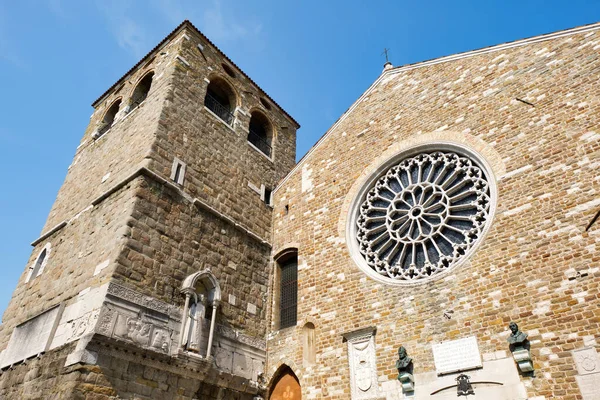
150,276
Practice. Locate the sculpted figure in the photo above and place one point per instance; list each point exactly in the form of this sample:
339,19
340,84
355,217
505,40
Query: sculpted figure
404,361
193,329
516,336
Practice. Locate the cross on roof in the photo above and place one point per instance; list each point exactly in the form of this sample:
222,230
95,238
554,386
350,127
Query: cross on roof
385,51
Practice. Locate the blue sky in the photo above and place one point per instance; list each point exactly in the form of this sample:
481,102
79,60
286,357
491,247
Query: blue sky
313,57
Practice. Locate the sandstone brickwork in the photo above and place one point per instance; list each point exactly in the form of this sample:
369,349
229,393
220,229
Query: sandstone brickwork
124,234
530,109
162,252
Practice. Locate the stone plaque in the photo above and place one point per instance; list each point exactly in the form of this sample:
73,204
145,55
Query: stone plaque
363,371
32,337
589,386
456,355
587,361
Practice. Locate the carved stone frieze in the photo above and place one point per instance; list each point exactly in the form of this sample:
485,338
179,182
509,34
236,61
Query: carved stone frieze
229,333
132,296
143,333
106,321
82,325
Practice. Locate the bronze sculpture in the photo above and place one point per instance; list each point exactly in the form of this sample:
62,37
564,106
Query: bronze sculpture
516,337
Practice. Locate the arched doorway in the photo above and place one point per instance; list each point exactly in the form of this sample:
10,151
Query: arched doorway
286,386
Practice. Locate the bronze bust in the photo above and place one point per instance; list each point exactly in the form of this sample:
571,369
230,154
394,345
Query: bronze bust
516,336
404,361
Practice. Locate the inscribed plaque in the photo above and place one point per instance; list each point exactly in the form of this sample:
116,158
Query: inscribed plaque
456,355
589,385
32,337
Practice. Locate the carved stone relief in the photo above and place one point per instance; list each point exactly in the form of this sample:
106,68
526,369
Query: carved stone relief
588,369
587,361
143,333
361,357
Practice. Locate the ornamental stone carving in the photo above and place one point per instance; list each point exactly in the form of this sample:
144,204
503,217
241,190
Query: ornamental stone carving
361,357
422,215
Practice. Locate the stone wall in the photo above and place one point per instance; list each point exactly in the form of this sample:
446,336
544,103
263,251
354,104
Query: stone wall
42,377
122,236
101,163
171,238
222,168
537,265
81,257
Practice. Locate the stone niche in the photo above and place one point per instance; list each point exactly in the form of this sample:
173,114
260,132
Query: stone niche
362,364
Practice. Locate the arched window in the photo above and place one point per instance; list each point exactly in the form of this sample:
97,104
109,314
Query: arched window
108,119
309,354
40,263
141,91
286,295
260,133
202,297
220,99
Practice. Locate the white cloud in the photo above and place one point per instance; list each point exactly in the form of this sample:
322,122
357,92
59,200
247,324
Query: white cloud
215,19
129,34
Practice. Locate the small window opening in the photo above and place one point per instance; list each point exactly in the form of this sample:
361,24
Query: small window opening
109,118
220,100
287,209
38,264
228,70
178,171
267,196
141,91
259,133
265,103
288,286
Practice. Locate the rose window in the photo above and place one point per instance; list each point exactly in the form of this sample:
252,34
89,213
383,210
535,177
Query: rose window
423,215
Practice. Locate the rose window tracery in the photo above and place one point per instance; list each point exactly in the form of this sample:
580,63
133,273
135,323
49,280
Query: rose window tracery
423,215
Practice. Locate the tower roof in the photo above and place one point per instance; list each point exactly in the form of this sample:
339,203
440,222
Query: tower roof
187,24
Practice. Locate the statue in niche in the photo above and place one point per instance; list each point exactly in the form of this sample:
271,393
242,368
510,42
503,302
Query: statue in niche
193,329
404,366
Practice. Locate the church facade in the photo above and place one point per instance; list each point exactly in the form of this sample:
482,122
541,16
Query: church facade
438,241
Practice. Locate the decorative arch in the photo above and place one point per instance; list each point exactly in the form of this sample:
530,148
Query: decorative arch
207,279
284,385
261,132
202,297
221,98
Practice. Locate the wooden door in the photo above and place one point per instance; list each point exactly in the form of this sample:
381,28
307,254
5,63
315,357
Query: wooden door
286,388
